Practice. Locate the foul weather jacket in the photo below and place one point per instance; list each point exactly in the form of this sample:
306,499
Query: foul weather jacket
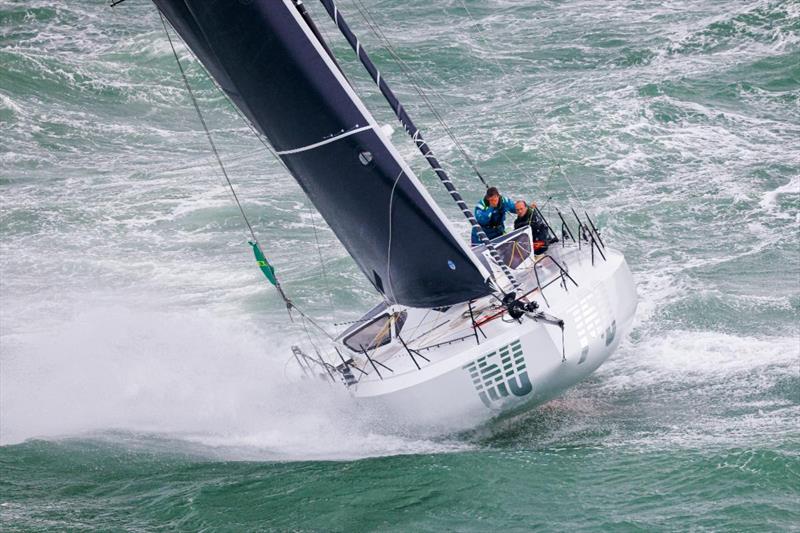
492,219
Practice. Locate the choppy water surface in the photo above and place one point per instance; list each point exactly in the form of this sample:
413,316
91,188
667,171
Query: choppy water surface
142,355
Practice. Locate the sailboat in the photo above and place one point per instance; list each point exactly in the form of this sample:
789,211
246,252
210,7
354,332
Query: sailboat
462,333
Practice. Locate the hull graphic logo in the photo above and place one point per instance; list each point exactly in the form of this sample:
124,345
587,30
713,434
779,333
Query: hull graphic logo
611,332
499,373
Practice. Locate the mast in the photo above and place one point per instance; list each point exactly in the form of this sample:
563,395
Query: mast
415,133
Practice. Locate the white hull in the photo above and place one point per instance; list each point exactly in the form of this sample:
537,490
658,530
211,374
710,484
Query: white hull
450,394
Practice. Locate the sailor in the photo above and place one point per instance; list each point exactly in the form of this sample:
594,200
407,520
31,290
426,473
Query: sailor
529,216
491,214
525,214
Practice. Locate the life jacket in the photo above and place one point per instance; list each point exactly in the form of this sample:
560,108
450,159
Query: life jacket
497,218
495,226
539,232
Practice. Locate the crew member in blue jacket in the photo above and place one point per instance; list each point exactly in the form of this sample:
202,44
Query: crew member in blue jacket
491,214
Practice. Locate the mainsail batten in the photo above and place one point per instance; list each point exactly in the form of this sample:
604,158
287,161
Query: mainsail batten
269,62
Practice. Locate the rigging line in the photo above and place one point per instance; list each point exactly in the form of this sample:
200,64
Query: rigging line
389,251
519,101
205,127
326,35
239,112
351,322
322,265
437,322
289,304
416,328
312,321
308,334
242,156
417,83
280,160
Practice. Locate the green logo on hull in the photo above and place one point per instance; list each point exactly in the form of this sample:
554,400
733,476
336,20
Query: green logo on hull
500,372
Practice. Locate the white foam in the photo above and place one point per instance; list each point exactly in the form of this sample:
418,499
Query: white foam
8,103
190,375
769,200
704,357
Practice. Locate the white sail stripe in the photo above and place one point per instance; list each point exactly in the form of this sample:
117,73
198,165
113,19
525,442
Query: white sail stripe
326,141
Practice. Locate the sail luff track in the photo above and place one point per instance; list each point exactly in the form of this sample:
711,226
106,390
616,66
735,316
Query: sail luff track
415,133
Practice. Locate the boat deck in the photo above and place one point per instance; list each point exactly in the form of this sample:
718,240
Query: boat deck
427,336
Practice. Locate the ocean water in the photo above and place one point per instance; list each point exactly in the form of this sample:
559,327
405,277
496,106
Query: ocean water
144,382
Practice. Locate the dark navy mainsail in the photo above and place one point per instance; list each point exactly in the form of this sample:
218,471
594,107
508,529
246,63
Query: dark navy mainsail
272,66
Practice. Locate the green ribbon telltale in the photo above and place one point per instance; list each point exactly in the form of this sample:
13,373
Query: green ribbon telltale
263,264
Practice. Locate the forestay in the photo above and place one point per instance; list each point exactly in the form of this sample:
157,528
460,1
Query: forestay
268,61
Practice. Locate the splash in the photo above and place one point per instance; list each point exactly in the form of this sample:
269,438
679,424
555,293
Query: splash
187,375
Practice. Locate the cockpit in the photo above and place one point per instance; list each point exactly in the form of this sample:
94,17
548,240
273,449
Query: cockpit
373,332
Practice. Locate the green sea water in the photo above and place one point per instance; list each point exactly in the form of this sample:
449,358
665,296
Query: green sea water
144,382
